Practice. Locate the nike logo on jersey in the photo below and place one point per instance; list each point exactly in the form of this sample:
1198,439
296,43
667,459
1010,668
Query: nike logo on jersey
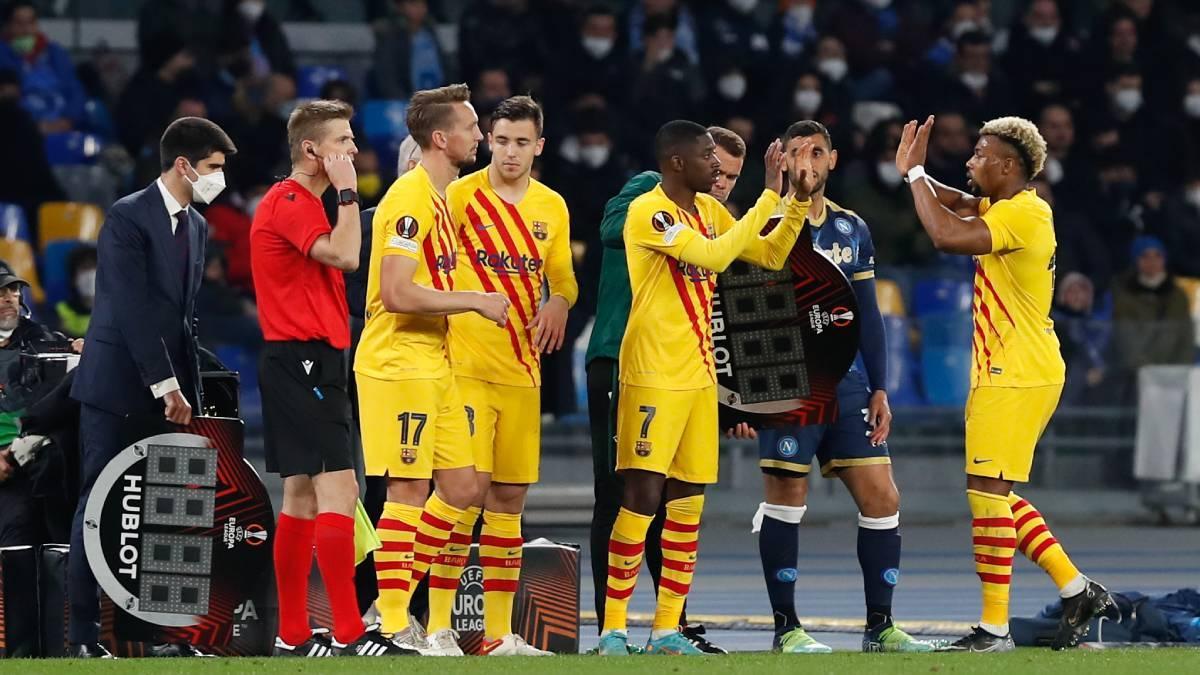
979,461
307,367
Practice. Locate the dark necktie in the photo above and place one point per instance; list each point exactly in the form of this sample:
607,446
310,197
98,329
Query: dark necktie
183,248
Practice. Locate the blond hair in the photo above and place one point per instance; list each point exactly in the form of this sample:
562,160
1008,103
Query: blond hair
307,123
431,110
1025,138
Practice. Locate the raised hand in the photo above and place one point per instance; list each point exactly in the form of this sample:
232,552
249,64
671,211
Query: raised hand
774,161
800,172
914,144
340,169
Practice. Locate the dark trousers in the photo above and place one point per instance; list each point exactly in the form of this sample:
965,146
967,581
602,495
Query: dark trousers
609,488
30,520
100,436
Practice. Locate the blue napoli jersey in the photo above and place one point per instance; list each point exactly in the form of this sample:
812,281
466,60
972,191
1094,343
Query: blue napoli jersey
842,236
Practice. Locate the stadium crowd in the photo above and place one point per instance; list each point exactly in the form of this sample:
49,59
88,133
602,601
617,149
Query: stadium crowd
1114,86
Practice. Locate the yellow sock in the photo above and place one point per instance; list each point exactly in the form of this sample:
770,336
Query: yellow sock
994,540
500,546
433,531
625,549
680,540
447,568
1039,545
393,564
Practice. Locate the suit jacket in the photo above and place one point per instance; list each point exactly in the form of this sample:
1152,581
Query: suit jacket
143,326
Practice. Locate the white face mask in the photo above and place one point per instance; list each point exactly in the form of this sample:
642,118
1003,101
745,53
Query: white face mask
597,47
1128,100
206,188
1193,196
1053,170
888,174
1043,35
834,69
958,29
743,6
85,283
732,86
974,81
594,156
807,101
569,149
1191,105
251,10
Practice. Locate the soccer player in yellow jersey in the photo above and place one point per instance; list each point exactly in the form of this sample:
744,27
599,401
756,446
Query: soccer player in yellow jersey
412,419
1018,369
677,237
512,234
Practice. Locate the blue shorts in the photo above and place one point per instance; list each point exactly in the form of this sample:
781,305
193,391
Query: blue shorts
844,443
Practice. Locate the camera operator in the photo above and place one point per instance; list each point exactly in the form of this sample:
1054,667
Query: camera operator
26,516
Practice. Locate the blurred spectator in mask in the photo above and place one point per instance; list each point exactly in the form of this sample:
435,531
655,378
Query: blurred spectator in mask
879,194
50,91
1182,230
732,33
950,146
684,31
792,29
166,75
1042,60
973,86
75,311
1067,169
965,17
408,56
596,63
366,162
1128,126
1117,214
228,318
257,38
1189,130
731,92
34,183
1152,322
667,86
1083,335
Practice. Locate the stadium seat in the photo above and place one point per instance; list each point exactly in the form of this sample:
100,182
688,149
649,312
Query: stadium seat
72,147
902,381
384,120
937,296
13,224
88,183
19,256
946,374
68,220
890,297
310,79
947,329
55,278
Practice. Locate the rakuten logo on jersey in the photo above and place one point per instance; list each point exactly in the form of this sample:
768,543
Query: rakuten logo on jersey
692,272
447,262
505,263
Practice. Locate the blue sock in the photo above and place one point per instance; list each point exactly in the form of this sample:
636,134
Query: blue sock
879,557
779,548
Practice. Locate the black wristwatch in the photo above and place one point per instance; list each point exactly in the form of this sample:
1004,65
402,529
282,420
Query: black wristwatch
347,197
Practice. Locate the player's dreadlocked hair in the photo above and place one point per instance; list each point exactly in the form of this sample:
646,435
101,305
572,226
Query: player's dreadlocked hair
1024,137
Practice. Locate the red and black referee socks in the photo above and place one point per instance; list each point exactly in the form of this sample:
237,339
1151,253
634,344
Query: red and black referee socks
293,552
335,556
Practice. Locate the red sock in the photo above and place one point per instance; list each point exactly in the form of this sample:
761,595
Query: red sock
335,557
293,560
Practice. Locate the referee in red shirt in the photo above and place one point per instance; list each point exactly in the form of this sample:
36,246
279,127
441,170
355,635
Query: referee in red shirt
298,261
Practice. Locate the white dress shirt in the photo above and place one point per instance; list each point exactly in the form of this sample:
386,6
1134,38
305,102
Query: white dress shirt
161,389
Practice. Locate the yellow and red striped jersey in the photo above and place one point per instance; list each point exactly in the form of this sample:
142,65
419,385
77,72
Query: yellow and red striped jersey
412,220
668,339
510,249
1014,341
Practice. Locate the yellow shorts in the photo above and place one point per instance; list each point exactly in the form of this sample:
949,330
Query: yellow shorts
669,432
506,429
412,427
1003,428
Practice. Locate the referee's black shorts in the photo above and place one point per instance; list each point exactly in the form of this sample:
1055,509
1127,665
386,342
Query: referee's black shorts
306,408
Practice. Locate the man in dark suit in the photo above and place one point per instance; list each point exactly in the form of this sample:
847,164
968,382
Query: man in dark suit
142,350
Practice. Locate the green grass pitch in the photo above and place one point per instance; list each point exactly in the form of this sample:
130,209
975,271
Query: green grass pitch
1022,661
